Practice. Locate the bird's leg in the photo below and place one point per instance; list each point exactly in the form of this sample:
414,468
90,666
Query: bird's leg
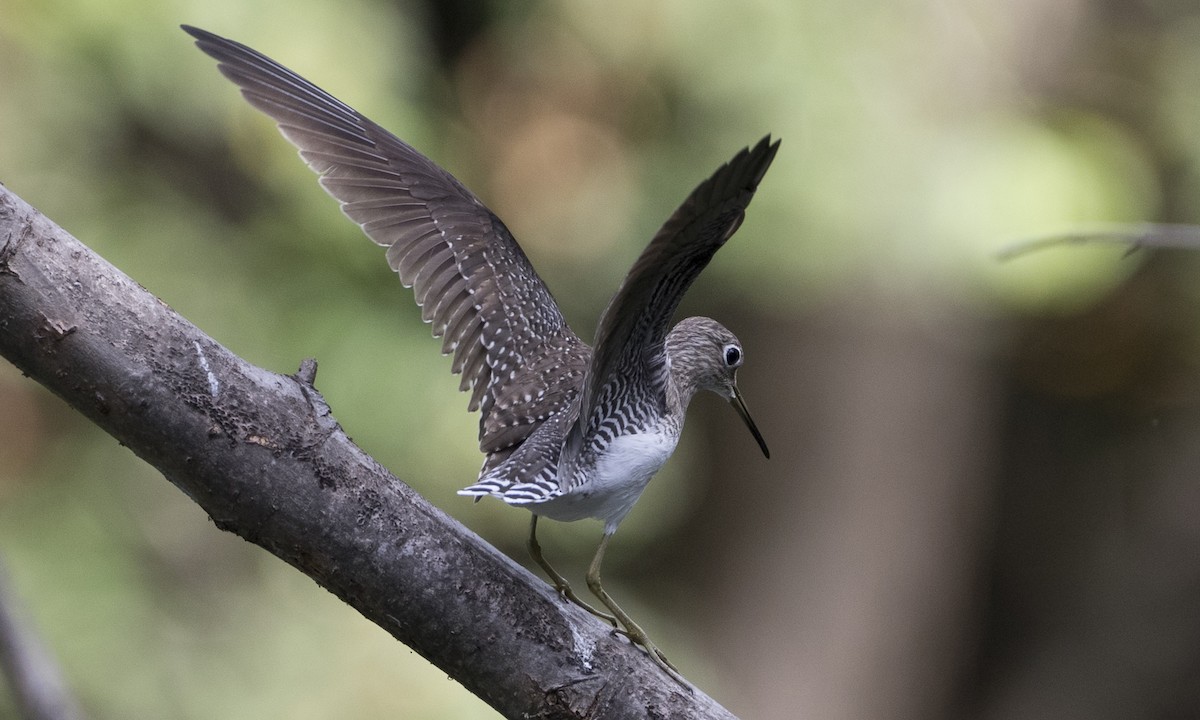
560,583
632,630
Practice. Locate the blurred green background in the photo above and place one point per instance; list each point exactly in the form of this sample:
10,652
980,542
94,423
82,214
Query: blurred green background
982,499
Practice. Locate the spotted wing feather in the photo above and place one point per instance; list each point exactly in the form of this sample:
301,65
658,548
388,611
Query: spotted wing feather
472,280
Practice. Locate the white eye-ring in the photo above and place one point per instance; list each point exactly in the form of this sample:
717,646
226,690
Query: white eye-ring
732,356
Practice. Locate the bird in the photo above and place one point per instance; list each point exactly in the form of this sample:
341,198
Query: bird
569,431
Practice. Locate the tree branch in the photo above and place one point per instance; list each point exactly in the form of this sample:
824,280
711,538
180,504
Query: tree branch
37,685
264,457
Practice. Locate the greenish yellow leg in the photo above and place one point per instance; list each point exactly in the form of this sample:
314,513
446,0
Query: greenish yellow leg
632,630
560,583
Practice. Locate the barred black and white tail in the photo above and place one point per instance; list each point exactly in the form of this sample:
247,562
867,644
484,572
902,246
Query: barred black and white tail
540,490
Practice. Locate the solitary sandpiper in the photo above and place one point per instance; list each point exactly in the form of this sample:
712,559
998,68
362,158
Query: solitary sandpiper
570,432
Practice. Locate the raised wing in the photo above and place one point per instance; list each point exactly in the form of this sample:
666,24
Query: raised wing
630,336
470,277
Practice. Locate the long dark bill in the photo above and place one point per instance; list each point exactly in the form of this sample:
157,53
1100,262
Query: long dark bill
740,405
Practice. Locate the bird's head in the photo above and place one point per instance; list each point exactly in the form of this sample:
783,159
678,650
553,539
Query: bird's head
705,355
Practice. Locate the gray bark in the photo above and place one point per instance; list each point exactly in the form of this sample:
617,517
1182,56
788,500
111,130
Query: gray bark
262,454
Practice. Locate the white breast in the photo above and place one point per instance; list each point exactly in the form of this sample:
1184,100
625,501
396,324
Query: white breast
616,480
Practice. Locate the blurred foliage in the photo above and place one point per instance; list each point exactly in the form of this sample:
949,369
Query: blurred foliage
919,139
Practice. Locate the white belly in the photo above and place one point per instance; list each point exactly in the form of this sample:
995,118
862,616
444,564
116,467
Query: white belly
616,480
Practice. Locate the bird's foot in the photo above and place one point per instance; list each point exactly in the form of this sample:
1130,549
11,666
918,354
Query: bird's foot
637,636
565,591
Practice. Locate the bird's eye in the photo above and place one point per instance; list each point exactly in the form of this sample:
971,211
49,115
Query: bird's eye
733,355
